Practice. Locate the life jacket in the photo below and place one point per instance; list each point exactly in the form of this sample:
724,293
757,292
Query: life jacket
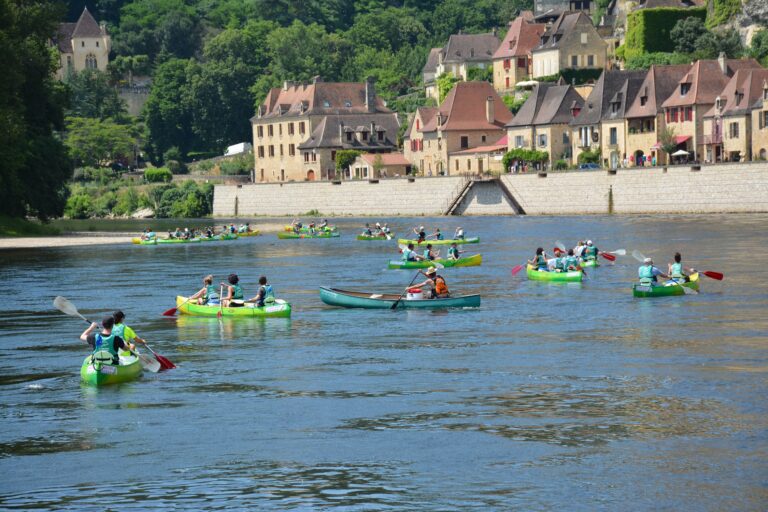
441,289
646,275
408,255
102,345
269,293
541,261
453,252
570,261
677,271
428,255
560,263
591,251
422,236
211,294
439,236
237,291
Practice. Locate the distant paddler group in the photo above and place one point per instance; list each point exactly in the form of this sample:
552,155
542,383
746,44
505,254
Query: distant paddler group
437,237
196,234
379,232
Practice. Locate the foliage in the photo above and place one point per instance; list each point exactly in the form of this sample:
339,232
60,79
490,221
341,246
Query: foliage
560,165
589,156
91,95
667,139
158,175
515,104
35,165
480,74
100,175
241,164
759,47
711,44
523,155
127,201
686,32
345,157
646,60
130,65
648,30
378,164
445,83
722,12
12,226
95,142
573,76
79,206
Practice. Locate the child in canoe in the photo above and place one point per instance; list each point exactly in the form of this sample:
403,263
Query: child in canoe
265,295
429,254
676,270
453,252
208,294
539,261
234,293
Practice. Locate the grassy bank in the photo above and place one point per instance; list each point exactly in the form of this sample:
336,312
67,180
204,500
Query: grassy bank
10,226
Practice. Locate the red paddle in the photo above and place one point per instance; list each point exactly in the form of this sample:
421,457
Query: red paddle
712,275
517,269
165,363
608,256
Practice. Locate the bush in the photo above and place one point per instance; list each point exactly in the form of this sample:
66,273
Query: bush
589,157
127,202
242,164
480,74
648,30
514,104
158,175
573,76
79,206
560,165
523,155
646,60
103,204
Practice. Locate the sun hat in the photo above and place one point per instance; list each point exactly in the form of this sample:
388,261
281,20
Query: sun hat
431,270
589,242
647,260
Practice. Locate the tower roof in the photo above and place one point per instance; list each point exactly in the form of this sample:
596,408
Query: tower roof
86,26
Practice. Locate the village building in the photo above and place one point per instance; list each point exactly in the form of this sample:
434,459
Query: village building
600,126
728,124
547,11
462,53
760,126
82,45
542,123
512,61
379,165
570,42
471,115
482,159
645,116
429,73
300,127
695,96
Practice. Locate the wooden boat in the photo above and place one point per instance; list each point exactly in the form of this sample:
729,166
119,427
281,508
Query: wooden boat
667,289
101,374
292,235
367,300
280,308
459,241
470,261
574,276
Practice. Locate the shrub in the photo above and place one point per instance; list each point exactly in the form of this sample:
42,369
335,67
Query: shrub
242,164
103,204
127,202
158,175
560,165
648,30
523,155
590,156
79,206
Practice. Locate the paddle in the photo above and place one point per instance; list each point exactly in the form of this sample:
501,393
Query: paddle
221,302
711,274
165,363
394,306
172,311
608,256
516,269
641,258
66,307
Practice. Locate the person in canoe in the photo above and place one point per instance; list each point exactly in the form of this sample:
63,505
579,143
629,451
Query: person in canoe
410,255
453,252
435,283
590,251
385,229
437,235
555,261
379,231
296,225
649,274
234,292
148,234
579,249
208,294
123,331
458,234
265,295
367,231
676,270
571,262
539,261
429,254
323,225
420,234
105,341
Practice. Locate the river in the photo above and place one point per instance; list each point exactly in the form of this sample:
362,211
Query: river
547,397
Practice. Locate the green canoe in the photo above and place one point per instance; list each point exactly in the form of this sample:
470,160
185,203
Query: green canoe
219,238
99,374
590,263
469,261
178,240
374,237
459,241
365,300
276,310
139,241
289,236
305,229
667,289
574,276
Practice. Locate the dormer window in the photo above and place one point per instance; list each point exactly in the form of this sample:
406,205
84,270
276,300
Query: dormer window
347,103
584,38
739,97
381,134
326,104
684,88
365,135
97,44
575,111
349,136
719,103
471,52
512,43
643,100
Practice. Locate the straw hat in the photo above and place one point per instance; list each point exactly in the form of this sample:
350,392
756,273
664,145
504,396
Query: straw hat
431,270
647,260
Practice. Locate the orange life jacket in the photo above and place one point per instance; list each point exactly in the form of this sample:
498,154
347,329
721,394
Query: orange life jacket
440,287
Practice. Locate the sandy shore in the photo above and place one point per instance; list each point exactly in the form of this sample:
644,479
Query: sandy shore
87,238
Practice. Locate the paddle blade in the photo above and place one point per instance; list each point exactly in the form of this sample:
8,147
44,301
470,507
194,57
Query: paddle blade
170,312
66,307
437,264
149,363
560,245
516,269
608,256
638,255
712,275
619,252
165,363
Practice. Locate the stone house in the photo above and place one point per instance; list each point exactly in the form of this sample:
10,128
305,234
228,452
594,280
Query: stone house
728,124
600,126
645,116
462,53
694,96
570,42
543,122
300,127
429,73
471,115
482,159
379,165
512,61
82,45
760,127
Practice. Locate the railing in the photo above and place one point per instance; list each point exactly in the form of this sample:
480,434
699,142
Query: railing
457,193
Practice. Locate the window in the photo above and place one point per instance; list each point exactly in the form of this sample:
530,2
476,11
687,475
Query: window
314,156
97,44
306,156
260,131
301,128
333,156
764,117
281,150
90,62
566,138
684,88
261,151
643,100
519,142
291,149
280,130
381,135
349,136
348,104
365,135
271,150
733,130
270,130
469,164
574,61
506,63
418,125
590,60
326,103
614,135
521,62
457,165
82,44
290,128
507,83
464,142
584,38
543,139
482,139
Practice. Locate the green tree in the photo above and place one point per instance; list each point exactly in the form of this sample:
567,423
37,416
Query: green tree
128,65
35,165
667,140
344,158
96,143
445,83
759,46
91,95
686,34
712,44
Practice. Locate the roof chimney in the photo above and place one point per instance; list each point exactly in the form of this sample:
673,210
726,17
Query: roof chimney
341,132
316,79
287,84
370,94
489,111
722,63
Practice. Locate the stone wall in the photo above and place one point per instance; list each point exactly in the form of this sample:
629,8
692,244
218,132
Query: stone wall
713,189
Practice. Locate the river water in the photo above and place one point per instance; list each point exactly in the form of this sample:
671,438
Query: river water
548,397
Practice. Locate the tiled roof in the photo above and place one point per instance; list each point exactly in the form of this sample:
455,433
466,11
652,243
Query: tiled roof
86,26
567,22
614,86
493,148
470,47
464,108
547,104
318,98
659,83
432,60
706,79
741,93
521,38
328,132
386,158
677,4
64,37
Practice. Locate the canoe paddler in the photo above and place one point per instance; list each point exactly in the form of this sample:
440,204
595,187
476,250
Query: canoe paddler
429,254
123,331
438,289
437,235
579,249
458,234
233,291
367,231
539,260
571,261
148,234
208,294
410,255
420,233
265,295
677,271
323,224
453,252
106,340
649,274
590,251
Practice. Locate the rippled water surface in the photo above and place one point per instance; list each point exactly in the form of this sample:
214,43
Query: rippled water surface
548,397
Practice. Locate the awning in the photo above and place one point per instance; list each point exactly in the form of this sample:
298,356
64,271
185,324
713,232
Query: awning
656,146
680,152
680,139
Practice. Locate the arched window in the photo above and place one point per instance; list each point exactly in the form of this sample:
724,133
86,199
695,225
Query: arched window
90,61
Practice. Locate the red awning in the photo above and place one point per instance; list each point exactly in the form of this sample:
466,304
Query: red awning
680,139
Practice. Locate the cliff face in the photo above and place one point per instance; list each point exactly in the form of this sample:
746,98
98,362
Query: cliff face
753,17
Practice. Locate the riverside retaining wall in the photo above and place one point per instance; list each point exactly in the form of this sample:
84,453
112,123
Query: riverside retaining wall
713,189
